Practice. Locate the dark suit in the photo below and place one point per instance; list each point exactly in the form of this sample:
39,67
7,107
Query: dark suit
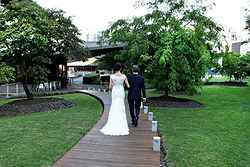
137,87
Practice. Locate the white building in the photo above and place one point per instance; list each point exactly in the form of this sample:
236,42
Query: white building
234,41
245,48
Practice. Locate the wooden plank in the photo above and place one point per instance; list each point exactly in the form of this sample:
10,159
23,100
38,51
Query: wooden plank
98,150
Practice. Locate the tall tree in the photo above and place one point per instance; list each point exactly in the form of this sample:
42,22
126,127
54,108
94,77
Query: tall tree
172,44
22,42
63,41
32,38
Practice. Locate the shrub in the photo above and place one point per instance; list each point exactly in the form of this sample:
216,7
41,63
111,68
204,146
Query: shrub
91,78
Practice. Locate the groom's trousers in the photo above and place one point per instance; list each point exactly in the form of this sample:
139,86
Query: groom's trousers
134,108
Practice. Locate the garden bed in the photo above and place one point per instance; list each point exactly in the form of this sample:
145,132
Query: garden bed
169,101
26,106
227,83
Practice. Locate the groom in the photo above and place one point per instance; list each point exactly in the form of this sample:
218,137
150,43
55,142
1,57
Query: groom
137,86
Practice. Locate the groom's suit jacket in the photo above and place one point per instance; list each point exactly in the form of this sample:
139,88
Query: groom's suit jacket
137,87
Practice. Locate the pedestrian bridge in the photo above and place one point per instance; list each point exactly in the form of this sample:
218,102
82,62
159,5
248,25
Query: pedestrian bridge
97,48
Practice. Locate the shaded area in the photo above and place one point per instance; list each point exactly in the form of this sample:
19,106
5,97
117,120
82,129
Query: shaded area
170,101
26,106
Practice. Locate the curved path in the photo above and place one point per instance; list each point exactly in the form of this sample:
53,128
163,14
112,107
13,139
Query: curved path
98,150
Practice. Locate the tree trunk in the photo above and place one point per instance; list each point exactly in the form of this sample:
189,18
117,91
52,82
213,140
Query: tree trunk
27,91
166,92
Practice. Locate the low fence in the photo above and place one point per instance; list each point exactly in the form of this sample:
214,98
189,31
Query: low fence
15,89
77,83
103,88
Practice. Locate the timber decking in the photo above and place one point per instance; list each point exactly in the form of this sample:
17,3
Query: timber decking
98,150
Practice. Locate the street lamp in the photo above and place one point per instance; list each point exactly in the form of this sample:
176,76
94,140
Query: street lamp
62,68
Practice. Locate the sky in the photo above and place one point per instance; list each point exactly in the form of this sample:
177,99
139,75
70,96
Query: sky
93,16
231,15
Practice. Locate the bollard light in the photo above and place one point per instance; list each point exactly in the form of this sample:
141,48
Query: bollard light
141,105
150,116
145,110
156,144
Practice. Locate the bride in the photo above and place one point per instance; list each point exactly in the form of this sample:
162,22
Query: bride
117,120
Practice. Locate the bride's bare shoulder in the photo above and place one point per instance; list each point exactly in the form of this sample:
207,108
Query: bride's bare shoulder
123,75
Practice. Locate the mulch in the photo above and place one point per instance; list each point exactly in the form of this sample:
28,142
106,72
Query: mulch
26,106
228,83
172,102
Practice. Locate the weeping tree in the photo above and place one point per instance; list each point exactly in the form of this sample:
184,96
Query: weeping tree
181,60
32,38
140,40
107,62
172,44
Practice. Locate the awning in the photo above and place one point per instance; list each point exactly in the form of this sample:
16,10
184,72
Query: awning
90,62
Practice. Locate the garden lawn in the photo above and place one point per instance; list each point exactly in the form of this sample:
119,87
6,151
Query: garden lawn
217,135
39,139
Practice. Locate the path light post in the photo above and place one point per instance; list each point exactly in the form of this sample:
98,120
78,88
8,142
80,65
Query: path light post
141,105
156,144
150,116
145,110
7,91
16,89
154,126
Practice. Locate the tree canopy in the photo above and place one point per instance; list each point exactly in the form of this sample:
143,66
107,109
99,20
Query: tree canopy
172,44
32,38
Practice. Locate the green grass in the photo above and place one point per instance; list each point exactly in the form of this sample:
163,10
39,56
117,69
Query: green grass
217,135
91,75
219,79
39,139
3,101
153,93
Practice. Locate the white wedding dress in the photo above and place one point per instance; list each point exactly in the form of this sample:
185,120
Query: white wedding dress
117,121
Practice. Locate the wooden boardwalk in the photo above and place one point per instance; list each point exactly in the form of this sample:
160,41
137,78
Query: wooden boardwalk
98,150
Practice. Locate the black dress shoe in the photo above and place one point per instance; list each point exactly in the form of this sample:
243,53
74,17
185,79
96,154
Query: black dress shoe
136,123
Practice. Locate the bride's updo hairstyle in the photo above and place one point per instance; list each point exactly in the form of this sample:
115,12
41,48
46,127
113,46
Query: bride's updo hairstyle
117,67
